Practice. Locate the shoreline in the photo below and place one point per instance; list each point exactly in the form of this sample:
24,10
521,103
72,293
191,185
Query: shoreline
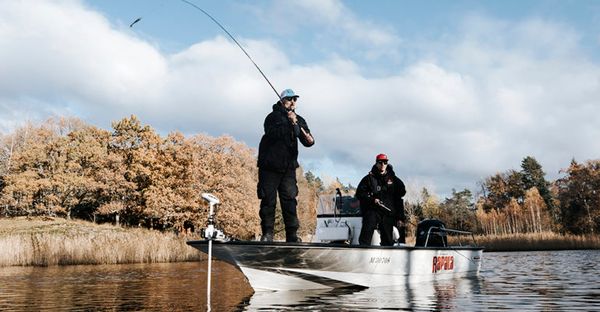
541,241
55,241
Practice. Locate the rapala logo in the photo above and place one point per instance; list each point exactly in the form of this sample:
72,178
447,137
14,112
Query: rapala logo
442,263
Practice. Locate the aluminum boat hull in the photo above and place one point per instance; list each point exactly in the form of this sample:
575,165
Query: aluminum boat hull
302,266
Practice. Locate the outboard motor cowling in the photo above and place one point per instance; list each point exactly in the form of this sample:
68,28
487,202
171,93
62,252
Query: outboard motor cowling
437,235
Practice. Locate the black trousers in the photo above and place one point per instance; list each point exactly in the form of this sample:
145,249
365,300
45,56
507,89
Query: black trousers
376,218
269,184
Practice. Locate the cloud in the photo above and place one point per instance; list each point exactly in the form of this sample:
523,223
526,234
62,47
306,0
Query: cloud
332,24
478,101
59,53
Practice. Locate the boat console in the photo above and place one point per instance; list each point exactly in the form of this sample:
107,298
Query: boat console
338,220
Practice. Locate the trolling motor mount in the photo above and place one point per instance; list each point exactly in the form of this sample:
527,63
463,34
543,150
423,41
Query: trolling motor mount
211,232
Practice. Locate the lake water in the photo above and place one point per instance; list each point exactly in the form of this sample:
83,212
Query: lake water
534,281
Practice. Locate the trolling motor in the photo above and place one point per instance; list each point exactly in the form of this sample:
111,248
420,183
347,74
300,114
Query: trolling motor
211,233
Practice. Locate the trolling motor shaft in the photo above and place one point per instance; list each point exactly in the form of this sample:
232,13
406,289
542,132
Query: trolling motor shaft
210,233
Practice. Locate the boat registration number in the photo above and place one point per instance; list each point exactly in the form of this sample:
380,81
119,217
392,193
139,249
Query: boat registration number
380,260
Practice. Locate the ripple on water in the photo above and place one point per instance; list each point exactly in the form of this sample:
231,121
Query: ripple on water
524,281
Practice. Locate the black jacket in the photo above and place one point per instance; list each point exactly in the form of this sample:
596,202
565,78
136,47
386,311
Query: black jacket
387,188
278,148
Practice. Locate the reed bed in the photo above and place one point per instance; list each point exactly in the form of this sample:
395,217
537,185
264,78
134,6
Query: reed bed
537,241
44,242
55,241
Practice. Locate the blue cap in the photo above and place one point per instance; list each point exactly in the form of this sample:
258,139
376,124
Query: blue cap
288,93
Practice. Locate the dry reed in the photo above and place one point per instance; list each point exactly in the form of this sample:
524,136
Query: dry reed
44,242
538,241
58,241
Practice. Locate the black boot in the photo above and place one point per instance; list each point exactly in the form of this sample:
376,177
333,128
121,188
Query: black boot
267,237
291,237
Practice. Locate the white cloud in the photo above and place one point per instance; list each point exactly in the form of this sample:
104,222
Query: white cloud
477,104
335,24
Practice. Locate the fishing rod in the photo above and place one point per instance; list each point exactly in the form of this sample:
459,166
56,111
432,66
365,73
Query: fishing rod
236,42
193,5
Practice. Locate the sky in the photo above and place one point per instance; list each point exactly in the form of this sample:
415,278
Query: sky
452,91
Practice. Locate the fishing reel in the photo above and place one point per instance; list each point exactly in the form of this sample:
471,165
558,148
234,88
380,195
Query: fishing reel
211,232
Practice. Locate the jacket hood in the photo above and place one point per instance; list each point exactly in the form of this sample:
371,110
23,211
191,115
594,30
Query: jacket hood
279,108
390,171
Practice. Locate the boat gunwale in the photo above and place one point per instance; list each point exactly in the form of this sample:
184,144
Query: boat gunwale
327,245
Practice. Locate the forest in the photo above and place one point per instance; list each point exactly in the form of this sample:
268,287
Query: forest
523,201
133,176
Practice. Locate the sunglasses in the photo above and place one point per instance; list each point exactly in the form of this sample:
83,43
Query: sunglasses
291,99
382,162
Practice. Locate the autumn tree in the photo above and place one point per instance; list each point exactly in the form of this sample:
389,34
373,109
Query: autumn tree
308,196
170,199
42,175
579,197
227,168
536,214
496,193
458,211
136,146
314,181
534,177
430,204
511,195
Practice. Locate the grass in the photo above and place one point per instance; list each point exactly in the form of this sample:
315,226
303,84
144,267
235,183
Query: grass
537,241
55,241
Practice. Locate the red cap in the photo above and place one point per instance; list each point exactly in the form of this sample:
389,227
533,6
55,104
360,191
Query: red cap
381,157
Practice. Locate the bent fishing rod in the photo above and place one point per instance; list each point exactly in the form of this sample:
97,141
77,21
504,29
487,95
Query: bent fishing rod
193,5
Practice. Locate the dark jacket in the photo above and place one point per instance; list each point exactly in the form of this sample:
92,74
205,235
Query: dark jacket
278,148
387,188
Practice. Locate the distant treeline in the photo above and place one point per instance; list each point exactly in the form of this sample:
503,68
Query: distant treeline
514,202
133,176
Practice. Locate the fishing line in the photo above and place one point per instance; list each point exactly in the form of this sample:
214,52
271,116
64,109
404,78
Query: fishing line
456,251
193,5
236,42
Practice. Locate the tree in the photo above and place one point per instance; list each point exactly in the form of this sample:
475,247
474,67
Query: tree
314,181
136,146
579,197
536,212
430,204
228,169
43,174
497,195
66,168
459,210
533,176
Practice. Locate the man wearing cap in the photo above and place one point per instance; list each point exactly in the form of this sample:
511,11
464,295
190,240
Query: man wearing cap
277,163
380,193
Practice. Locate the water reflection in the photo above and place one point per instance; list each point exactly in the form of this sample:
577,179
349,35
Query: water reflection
418,296
174,287
533,281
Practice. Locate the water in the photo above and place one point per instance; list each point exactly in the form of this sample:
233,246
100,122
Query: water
534,281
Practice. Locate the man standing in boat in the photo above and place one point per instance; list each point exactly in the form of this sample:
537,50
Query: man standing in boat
277,163
380,193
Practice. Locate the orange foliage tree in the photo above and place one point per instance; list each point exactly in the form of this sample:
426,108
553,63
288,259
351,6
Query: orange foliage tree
134,176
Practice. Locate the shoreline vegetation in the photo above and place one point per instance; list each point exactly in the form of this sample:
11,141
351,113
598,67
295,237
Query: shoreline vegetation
134,177
43,241
149,185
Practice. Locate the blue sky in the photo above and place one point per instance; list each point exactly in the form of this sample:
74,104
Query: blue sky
452,91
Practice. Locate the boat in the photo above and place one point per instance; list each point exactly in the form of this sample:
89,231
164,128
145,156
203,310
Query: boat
333,258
